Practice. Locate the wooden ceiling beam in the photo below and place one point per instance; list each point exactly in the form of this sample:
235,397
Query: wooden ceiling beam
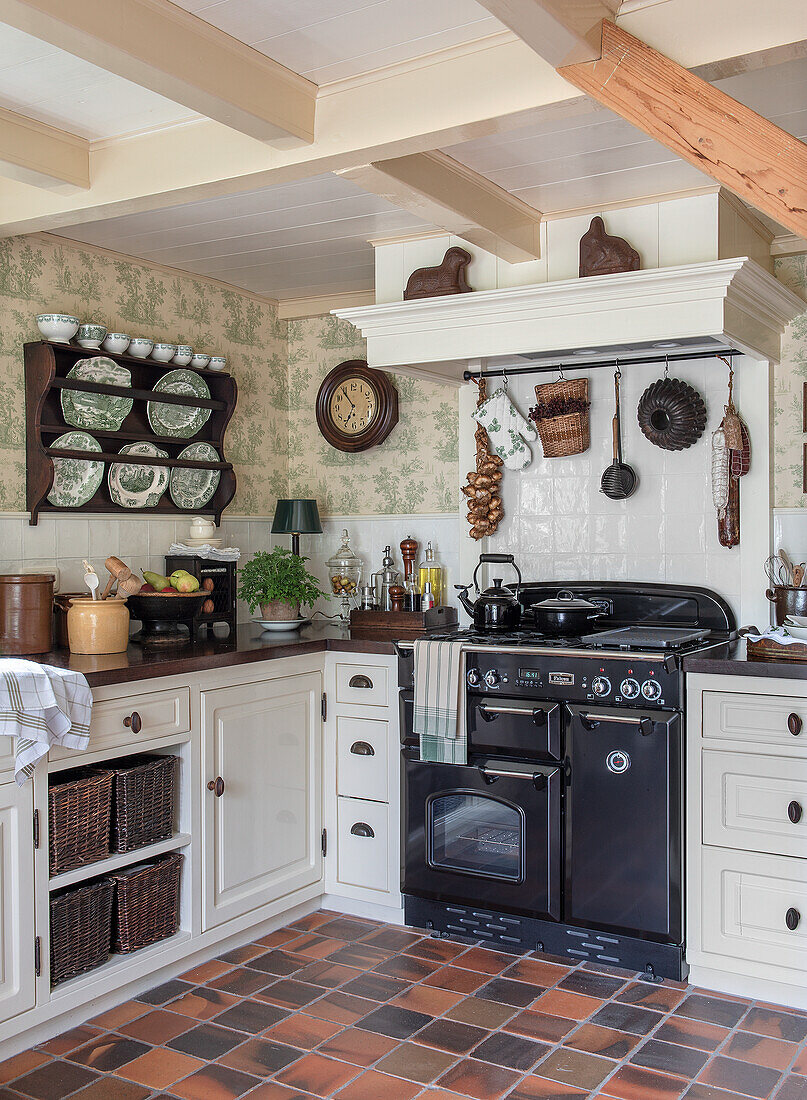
444,192
166,49
760,162
34,153
563,32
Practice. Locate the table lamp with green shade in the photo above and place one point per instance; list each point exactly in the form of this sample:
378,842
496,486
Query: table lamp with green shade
295,518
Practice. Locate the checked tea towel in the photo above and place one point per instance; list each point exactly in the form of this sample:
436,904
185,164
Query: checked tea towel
40,706
439,717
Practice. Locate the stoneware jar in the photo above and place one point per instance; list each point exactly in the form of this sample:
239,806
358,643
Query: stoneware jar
98,626
26,613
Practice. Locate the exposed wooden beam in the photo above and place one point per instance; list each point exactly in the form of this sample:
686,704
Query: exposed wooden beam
166,49
442,191
34,153
561,31
755,159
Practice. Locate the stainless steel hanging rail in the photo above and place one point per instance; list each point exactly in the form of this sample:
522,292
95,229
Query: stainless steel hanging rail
588,364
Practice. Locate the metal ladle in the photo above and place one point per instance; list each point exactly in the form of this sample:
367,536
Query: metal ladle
619,480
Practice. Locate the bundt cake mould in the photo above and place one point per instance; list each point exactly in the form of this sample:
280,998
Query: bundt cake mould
672,414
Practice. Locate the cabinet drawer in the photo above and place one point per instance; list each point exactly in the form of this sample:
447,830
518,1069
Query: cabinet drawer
365,684
361,758
746,901
159,714
772,719
757,803
362,843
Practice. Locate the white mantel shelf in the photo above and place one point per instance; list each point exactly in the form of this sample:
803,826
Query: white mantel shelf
735,302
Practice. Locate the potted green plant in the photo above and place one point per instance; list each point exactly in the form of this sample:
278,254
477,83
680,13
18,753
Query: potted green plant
278,582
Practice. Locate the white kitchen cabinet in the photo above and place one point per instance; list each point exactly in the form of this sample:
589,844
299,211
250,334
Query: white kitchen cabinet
261,748
17,978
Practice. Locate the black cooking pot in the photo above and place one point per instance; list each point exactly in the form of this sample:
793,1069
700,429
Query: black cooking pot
566,615
497,608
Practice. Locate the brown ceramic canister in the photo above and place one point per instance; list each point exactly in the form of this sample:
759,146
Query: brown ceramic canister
26,613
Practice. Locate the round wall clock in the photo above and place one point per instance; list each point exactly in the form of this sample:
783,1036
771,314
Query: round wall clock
357,407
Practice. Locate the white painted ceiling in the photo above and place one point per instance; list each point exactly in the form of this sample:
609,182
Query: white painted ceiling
328,40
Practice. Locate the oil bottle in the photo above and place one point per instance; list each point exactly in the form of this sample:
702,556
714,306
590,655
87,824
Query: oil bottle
432,571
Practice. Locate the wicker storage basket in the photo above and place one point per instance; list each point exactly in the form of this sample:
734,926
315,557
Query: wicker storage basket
79,804
146,905
80,929
142,801
569,434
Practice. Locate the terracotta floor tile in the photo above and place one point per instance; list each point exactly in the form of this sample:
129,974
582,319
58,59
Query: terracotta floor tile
160,1067
397,939
714,1010
203,1003
509,992
764,1051
691,1033
700,1091
624,1017
591,984
511,1051
539,1088
271,1090
314,920
251,1016
453,1036
108,1052
240,955
486,1014
54,1080
661,998
348,928
428,999
407,967
164,993
398,1023
484,960
205,972
458,981
557,1003
375,986
241,981
778,1025
207,1041
280,962
799,1066
22,1063
327,974
121,1014
275,939
540,1025
363,956
260,1057
604,1041
112,1088
318,1075
744,1077
341,1007
670,1058
67,1041
573,1067
634,1083
360,1048
793,1088
416,1063
215,1083
157,1027
538,972
480,1080
441,951
305,1032
378,1086
290,994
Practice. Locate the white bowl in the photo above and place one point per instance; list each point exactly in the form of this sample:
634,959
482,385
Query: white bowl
796,620
199,360
90,335
799,632
163,352
116,342
217,362
183,356
60,327
140,347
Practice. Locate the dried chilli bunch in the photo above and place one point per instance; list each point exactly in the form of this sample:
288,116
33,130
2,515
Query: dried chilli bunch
485,508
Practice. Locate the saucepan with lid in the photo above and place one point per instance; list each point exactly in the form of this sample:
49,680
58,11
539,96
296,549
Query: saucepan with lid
566,615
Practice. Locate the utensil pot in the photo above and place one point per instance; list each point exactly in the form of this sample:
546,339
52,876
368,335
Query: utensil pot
787,600
26,613
98,626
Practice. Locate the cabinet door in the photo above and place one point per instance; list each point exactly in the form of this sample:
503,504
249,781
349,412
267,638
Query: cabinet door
262,831
17,982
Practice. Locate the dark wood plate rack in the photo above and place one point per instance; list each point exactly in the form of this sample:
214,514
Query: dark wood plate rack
46,367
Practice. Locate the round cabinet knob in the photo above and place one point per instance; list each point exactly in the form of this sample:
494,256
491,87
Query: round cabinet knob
794,812
629,689
794,724
473,677
651,689
133,722
492,677
601,685
216,786
792,919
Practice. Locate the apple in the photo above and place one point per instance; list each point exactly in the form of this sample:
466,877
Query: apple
147,588
168,591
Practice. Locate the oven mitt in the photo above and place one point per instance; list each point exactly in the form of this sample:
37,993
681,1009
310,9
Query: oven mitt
507,430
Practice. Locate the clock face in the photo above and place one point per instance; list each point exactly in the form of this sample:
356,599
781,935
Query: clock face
353,406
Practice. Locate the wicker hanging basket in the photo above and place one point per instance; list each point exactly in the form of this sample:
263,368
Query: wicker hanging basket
567,434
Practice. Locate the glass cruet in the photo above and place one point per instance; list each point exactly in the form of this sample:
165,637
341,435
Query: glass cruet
344,571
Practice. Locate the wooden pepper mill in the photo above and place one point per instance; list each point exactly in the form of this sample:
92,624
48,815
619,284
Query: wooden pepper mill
396,595
409,549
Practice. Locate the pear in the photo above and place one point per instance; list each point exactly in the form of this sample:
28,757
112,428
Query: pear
156,580
183,581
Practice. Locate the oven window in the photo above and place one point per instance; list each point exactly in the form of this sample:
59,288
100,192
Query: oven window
475,834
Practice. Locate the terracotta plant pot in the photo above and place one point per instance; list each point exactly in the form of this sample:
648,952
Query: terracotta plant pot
279,611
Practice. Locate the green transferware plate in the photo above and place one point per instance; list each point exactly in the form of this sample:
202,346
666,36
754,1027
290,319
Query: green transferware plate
75,481
194,488
100,411
181,421
138,486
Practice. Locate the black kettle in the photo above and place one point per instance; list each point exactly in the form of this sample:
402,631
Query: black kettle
497,608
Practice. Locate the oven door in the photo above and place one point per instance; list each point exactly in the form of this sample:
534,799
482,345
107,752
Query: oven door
486,833
623,820
514,727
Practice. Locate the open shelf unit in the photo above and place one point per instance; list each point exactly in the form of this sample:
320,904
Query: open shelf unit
119,859
46,368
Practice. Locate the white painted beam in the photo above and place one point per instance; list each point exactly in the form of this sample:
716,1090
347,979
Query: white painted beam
442,191
41,155
561,31
164,48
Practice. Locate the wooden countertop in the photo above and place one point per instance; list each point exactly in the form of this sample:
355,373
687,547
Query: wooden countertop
732,660
147,662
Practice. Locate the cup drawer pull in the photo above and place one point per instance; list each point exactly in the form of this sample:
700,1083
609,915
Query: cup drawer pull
792,919
794,812
361,828
794,723
133,722
361,748
360,681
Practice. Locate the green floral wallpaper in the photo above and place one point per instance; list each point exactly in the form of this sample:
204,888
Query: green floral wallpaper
414,470
789,376
273,440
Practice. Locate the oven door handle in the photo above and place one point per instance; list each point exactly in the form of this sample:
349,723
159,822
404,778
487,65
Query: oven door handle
538,714
490,775
591,721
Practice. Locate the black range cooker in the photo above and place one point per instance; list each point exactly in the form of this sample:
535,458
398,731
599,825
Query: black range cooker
564,831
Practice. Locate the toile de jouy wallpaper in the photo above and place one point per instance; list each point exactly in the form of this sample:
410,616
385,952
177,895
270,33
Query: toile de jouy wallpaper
789,377
273,440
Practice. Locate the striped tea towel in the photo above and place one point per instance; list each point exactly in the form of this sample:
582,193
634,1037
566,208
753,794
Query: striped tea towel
439,716
40,706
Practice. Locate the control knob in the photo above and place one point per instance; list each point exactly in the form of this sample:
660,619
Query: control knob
492,677
601,685
473,677
629,688
651,690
